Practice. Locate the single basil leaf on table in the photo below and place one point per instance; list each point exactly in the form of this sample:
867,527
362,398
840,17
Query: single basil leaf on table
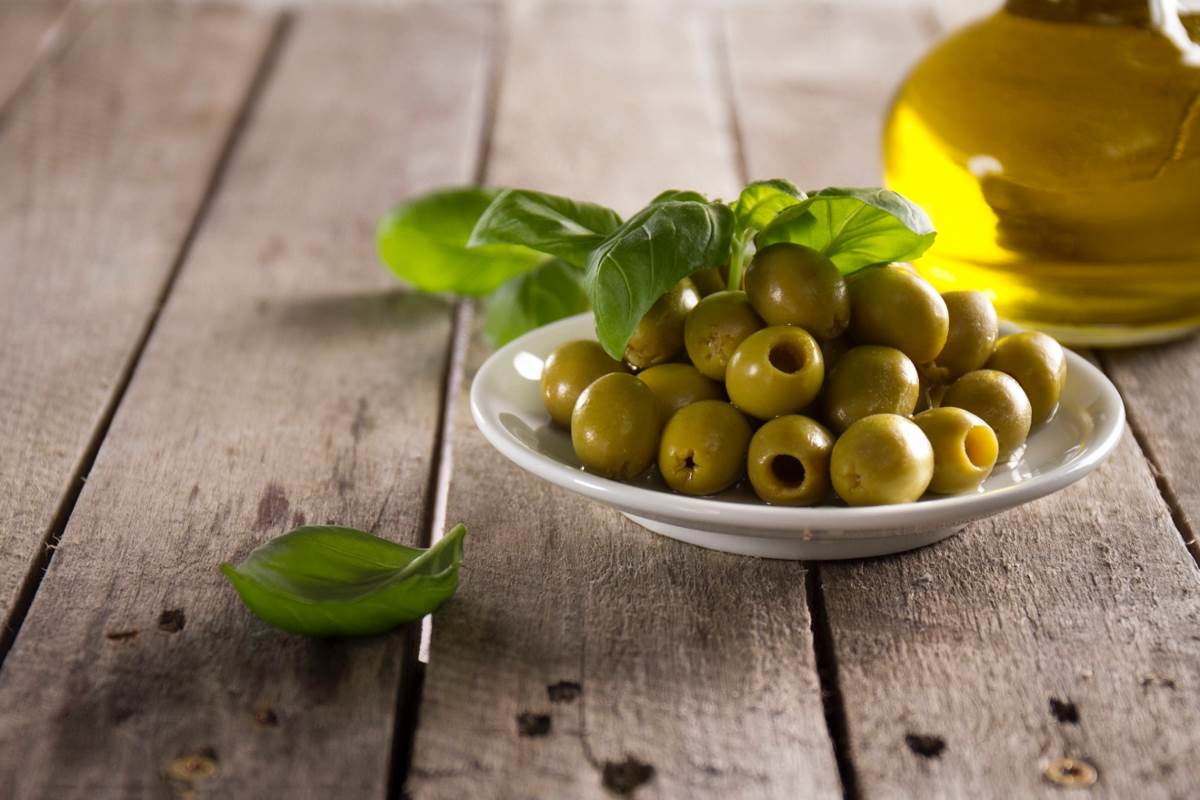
557,226
854,227
655,249
322,580
678,195
424,242
551,292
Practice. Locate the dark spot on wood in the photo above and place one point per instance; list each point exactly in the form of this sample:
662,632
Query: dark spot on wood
273,508
564,691
194,493
925,745
266,717
120,715
121,635
172,620
1157,680
623,777
362,420
299,520
1064,711
328,663
530,724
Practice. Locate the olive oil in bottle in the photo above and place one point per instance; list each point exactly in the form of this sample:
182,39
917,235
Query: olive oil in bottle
1056,146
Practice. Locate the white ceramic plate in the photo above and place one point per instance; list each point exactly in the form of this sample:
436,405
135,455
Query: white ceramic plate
507,407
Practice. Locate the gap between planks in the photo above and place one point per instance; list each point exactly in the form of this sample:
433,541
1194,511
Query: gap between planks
62,516
1163,483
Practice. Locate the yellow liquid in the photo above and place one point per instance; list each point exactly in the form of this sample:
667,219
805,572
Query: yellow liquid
1060,163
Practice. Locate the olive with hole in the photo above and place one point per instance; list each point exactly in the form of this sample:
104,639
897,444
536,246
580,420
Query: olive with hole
870,379
703,448
679,385
615,427
1038,363
790,284
788,461
964,448
893,306
659,336
970,338
880,460
998,400
715,328
775,371
568,371
708,281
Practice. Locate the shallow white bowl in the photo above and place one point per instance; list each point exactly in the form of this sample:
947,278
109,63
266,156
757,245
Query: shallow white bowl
507,407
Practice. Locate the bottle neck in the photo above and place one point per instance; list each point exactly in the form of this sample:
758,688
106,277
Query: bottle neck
1106,12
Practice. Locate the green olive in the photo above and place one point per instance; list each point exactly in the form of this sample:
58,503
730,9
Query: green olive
999,401
615,427
659,336
714,329
708,281
775,371
789,284
891,305
703,448
679,385
568,371
1038,363
881,459
964,448
971,337
870,379
788,461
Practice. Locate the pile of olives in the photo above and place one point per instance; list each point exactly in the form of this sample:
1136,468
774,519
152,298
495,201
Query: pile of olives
872,386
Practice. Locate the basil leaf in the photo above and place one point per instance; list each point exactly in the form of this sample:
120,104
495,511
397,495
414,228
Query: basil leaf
854,227
424,243
326,581
655,249
761,201
678,195
552,291
557,226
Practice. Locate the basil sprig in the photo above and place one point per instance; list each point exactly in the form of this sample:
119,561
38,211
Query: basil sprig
321,580
542,256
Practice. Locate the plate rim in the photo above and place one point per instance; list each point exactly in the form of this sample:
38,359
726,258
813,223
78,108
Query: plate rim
759,519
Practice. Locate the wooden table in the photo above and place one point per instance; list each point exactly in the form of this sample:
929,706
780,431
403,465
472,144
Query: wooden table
200,351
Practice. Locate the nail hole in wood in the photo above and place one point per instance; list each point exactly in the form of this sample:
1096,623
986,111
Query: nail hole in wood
925,745
622,777
1071,772
266,717
172,620
1064,711
530,724
564,691
194,768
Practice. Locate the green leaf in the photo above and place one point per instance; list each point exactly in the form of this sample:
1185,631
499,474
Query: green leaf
557,226
854,227
761,201
678,195
655,249
424,243
326,581
551,292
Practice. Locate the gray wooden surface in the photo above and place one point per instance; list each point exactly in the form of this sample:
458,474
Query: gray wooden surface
189,299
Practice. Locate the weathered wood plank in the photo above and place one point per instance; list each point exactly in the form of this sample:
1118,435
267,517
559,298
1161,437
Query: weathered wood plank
584,654
103,163
962,667
287,380
1161,387
24,28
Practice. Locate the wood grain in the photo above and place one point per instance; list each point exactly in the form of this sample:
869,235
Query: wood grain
583,655
103,163
962,667
1161,387
25,28
288,380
